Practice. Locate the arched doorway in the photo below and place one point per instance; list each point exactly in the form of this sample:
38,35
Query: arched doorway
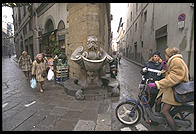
49,26
48,29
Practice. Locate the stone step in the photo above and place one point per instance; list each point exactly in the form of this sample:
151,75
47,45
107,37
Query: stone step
96,93
70,87
97,96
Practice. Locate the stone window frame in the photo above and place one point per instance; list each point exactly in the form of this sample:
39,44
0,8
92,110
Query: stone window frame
61,25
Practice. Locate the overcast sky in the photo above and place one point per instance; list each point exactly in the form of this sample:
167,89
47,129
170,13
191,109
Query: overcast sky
118,10
6,16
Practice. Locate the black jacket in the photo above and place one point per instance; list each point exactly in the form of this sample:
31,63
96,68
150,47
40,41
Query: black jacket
152,65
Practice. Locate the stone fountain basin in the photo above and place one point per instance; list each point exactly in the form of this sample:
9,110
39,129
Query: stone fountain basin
93,65
89,64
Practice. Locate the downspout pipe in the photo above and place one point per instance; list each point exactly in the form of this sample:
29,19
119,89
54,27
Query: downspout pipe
191,44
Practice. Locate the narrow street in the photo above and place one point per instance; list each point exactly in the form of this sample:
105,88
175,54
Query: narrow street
26,109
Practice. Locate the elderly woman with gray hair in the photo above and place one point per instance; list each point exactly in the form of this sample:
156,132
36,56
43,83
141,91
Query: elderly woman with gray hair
25,64
39,70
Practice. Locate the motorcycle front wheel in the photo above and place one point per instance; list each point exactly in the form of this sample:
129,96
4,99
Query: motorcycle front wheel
124,114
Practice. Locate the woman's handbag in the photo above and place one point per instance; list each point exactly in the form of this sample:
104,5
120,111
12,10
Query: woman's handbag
33,83
184,92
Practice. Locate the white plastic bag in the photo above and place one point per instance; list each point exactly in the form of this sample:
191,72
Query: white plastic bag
33,83
50,75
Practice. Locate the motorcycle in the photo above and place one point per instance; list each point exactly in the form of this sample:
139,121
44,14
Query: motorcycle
130,111
113,68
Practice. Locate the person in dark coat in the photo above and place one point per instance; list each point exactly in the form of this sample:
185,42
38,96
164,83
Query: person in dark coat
155,62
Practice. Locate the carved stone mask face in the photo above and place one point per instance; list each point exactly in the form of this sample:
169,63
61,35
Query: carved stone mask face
92,43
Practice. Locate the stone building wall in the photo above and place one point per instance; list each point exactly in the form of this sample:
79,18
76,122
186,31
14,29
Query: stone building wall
85,20
157,29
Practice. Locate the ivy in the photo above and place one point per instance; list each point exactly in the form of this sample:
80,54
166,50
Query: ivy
53,47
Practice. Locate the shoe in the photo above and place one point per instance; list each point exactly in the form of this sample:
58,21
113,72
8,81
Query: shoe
148,121
41,90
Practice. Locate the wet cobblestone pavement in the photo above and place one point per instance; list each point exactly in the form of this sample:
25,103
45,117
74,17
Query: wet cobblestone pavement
26,109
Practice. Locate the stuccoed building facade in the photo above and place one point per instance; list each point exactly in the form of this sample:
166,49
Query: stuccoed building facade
71,23
34,24
156,26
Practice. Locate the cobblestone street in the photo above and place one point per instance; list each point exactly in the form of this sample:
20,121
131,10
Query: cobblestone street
28,109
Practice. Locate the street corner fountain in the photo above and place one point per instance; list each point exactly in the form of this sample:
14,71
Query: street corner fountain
91,62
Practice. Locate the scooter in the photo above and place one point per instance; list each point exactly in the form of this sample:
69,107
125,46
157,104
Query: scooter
113,68
130,111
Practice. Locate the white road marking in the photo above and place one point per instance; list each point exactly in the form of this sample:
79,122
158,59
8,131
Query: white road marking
126,129
141,127
27,105
4,105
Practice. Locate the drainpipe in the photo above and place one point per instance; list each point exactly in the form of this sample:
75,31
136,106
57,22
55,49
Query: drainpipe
191,39
35,27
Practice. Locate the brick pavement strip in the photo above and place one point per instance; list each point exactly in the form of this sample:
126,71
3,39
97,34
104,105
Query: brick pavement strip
102,128
65,125
141,127
85,125
125,129
104,119
103,122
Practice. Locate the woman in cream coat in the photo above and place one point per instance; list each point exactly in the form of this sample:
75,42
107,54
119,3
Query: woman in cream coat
39,70
177,72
